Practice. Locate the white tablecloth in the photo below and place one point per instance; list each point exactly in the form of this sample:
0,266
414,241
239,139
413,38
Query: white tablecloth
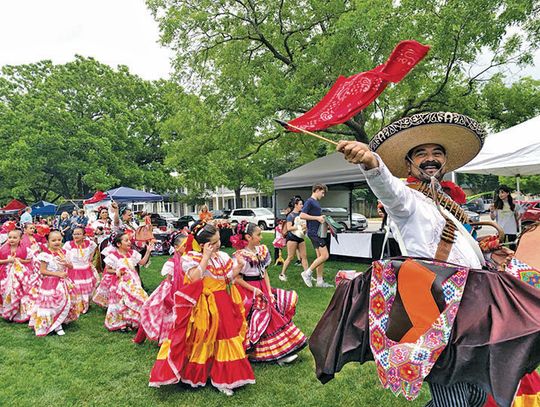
352,244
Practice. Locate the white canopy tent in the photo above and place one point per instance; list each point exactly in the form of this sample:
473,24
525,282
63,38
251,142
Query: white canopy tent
511,152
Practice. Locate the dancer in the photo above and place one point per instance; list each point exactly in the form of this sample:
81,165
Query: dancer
157,311
294,242
120,289
80,252
271,335
57,302
18,287
461,347
30,242
206,340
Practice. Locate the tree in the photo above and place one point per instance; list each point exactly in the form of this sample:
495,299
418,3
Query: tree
251,61
70,129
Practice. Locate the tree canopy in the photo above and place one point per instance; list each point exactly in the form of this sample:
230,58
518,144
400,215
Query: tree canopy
251,61
67,130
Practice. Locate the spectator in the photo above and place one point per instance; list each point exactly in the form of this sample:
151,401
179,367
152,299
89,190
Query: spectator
504,212
205,215
26,217
312,213
65,226
82,219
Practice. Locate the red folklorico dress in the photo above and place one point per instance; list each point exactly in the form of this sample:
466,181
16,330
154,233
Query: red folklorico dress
208,332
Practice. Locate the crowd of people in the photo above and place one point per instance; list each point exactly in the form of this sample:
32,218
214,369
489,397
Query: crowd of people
212,315
448,313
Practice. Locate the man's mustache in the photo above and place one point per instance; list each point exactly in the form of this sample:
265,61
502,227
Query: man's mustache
426,164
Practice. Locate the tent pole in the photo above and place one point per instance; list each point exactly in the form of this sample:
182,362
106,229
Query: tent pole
517,185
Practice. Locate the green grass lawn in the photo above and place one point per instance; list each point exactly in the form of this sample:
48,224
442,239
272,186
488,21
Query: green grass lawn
90,366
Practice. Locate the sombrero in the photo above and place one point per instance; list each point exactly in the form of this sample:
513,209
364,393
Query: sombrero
461,137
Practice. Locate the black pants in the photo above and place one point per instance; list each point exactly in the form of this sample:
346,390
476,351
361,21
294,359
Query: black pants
457,395
511,238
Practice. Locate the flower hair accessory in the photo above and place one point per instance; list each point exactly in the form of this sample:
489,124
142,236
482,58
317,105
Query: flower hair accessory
237,240
9,226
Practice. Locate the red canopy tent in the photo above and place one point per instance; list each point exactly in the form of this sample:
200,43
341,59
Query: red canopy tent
13,207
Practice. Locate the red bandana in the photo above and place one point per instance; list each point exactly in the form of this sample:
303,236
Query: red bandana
454,191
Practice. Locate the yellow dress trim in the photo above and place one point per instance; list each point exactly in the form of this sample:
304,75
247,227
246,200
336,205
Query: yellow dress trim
164,350
527,400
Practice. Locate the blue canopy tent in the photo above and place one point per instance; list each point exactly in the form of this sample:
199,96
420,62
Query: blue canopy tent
125,194
43,208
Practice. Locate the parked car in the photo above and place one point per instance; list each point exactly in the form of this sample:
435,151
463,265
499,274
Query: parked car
169,217
186,221
531,212
221,213
158,221
475,205
341,215
263,217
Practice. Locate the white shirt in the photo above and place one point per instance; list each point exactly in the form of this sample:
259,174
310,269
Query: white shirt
25,218
80,258
506,218
417,218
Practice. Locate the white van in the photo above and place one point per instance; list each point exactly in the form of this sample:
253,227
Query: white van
263,217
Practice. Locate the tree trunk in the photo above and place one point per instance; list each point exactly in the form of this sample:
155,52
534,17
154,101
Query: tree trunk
237,198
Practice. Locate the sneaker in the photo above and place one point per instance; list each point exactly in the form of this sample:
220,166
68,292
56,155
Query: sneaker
282,277
306,276
287,359
59,331
324,284
297,263
227,392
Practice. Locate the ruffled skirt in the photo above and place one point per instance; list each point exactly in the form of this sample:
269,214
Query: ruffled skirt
123,297
85,281
57,303
206,342
157,313
19,292
271,334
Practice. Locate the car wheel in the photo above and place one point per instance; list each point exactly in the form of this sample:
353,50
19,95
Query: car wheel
263,226
344,225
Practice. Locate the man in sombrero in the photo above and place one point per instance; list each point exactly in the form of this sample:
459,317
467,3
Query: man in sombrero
428,223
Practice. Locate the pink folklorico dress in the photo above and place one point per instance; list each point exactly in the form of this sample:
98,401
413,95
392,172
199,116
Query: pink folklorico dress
34,247
157,312
18,284
83,273
57,302
122,296
271,333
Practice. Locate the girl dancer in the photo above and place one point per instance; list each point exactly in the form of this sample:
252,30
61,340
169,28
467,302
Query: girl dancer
19,285
157,311
207,336
30,242
80,252
57,302
271,336
120,289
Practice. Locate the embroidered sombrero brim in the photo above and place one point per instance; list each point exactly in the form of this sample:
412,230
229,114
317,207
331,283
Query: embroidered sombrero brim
461,137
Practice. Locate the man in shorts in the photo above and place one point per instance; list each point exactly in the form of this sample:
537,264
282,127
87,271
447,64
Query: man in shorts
312,213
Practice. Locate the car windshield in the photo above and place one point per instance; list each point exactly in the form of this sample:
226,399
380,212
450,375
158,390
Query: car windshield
262,211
